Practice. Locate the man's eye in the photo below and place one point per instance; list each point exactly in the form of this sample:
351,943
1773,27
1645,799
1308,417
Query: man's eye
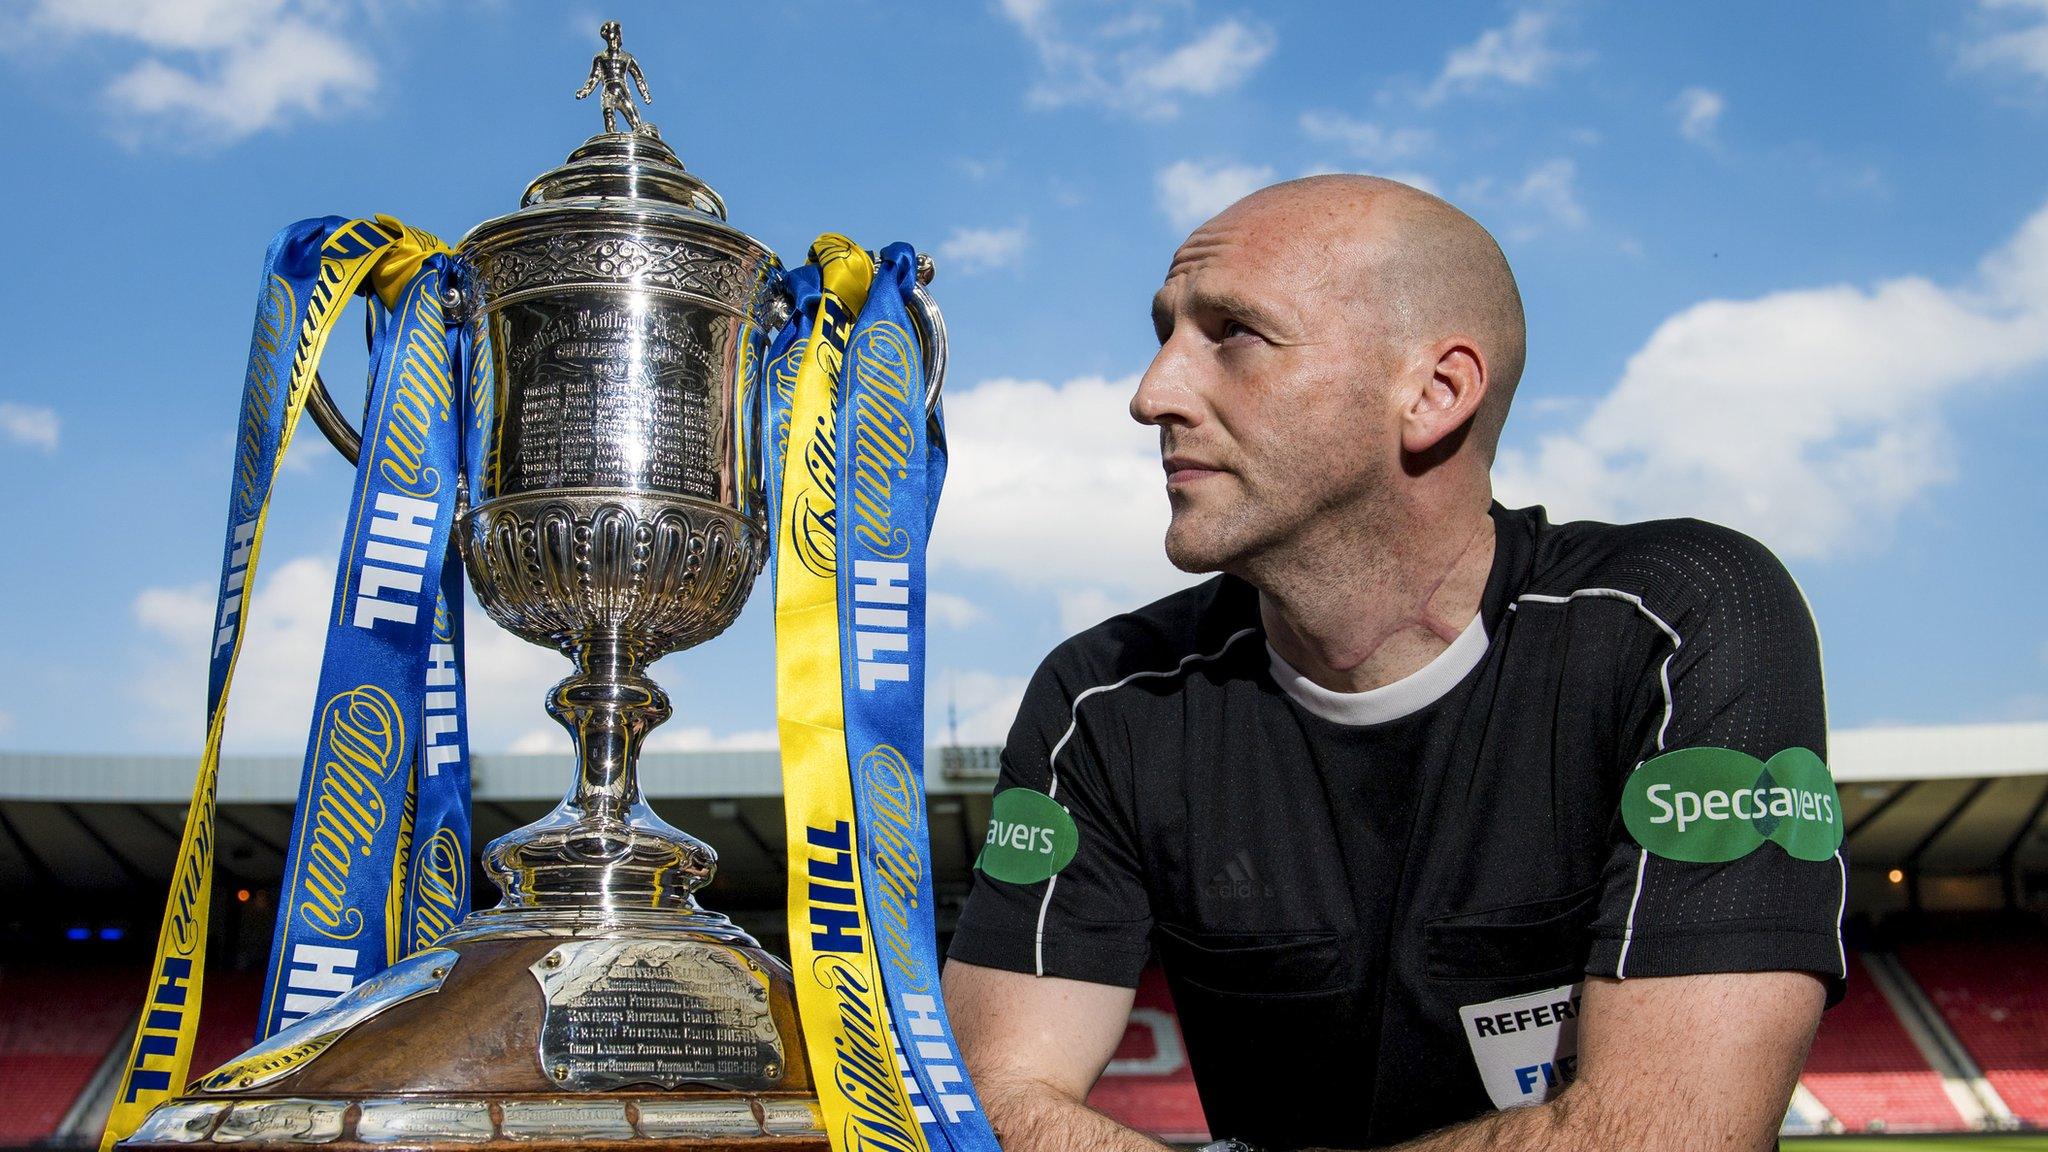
1232,330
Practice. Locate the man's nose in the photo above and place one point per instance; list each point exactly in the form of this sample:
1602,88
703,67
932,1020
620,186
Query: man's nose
1164,395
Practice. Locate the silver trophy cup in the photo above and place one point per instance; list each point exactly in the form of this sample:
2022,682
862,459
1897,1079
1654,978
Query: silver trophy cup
612,507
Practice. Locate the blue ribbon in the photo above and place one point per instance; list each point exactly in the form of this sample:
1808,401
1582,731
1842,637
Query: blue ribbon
339,921
291,267
437,871
892,464
777,389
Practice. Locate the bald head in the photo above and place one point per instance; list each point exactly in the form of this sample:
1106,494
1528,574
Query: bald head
1426,270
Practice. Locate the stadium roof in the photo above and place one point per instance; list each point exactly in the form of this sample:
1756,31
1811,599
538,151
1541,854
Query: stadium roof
1956,799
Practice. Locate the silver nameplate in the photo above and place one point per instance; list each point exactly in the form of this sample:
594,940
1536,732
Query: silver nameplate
420,1121
291,1049
625,1012
565,1120
281,1122
178,1124
792,1118
676,1119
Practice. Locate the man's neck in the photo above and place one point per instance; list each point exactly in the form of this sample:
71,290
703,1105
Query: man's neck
1371,605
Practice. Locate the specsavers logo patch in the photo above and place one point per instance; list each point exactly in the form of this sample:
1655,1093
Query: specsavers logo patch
1030,837
1711,805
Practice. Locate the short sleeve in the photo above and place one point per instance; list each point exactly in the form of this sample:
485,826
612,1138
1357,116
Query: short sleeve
1092,920
1734,663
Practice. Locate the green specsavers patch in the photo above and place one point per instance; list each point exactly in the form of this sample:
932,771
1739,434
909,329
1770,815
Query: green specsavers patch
1710,805
1030,837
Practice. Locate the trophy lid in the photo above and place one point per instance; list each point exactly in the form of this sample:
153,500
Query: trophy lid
621,173
629,166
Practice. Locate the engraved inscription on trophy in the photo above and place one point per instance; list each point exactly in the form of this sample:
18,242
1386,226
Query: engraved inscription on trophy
626,1012
566,1120
415,1122
179,1123
288,1121
614,397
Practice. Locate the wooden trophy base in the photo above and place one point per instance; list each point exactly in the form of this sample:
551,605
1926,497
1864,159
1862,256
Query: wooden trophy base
513,1036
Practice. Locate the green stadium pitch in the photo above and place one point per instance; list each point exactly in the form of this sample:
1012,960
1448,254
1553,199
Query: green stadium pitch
1965,1142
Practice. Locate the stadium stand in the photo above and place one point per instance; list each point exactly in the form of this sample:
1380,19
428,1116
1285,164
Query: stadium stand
1867,1070
1947,849
59,1025
227,1025
1990,991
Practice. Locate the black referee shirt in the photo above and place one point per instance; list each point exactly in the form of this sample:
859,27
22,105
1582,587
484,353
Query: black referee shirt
1374,909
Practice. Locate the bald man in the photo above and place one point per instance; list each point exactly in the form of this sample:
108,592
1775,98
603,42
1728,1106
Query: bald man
1445,823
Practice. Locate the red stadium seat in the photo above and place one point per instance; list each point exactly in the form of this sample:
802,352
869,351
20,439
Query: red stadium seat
58,1027
1991,992
1866,1069
227,1026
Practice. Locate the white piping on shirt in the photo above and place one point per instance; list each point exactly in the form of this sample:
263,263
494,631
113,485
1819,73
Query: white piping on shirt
1628,932
1052,764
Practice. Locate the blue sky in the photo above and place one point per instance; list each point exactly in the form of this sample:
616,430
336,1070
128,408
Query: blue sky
1786,266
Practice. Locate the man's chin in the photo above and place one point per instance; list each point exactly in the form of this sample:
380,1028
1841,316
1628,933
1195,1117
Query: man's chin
1195,556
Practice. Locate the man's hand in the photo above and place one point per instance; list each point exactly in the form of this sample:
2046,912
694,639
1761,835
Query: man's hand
1034,1046
1691,1062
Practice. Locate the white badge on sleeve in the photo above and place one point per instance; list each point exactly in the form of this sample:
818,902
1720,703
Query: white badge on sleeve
1527,1046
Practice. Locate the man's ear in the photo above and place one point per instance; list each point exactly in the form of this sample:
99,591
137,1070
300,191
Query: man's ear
1452,388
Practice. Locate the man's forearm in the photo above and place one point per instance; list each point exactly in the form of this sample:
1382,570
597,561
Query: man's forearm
1033,1117
1558,1125
1584,1121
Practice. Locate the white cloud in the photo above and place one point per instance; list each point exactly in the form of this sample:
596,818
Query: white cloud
952,610
1055,487
1372,143
1084,608
1544,200
1551,189
1809,418
978,169
1130,57
279,670
2024,47
215,71
1191,191
30,425
981,249
971,707
271,703
1699,113
1518,54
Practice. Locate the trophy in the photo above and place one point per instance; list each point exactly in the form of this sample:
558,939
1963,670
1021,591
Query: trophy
612,508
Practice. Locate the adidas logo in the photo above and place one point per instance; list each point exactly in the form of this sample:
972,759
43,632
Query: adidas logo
1238,880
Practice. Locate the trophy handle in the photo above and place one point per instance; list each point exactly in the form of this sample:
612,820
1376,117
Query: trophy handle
320,402
931,333
320,405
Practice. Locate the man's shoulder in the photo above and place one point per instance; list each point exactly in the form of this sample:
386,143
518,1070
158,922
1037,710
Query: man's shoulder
1200,622
1671,569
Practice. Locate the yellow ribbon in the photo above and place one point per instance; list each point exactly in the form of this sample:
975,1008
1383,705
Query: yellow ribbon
839,987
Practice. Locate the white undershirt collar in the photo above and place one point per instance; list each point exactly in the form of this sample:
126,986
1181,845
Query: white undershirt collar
1404,697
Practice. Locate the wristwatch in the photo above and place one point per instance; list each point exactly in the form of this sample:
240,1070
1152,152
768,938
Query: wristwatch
1226,1146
